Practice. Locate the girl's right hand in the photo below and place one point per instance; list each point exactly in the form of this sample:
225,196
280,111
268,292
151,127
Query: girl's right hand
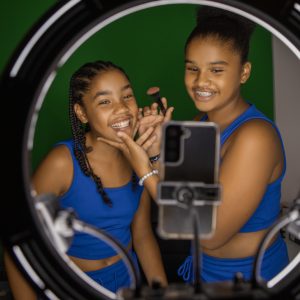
135,151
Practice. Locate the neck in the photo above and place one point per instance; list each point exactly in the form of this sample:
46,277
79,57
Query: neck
227,114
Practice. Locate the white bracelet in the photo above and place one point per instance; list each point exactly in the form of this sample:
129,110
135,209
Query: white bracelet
153,172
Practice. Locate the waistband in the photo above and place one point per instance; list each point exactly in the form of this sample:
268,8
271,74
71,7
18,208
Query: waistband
208,262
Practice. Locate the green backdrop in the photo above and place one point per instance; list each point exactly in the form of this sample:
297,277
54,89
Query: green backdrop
147,44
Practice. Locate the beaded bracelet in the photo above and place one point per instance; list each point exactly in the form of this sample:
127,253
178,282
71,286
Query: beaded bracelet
154,158
153,172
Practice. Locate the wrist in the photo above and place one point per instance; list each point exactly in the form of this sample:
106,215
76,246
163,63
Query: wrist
147,175
154,158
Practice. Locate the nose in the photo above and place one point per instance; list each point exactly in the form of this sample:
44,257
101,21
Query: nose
120,107
202,79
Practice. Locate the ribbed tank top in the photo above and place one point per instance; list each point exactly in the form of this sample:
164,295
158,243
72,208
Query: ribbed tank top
269,208
88,204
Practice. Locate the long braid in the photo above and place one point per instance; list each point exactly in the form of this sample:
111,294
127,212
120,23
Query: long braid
79,85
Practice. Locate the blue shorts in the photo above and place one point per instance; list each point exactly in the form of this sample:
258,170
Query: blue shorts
214,269
115,276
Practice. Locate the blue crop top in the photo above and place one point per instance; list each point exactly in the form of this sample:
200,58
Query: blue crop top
84,198
269,208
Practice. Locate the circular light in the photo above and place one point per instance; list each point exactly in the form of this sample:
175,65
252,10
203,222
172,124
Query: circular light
28,77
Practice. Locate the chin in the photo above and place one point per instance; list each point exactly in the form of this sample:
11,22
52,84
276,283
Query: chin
202,106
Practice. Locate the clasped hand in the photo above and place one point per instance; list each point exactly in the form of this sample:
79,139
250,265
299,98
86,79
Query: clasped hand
146,138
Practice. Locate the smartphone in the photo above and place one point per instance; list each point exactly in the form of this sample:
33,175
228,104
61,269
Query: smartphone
190,158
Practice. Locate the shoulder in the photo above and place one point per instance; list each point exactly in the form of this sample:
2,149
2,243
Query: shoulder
55,172
59,157
255,141
256,134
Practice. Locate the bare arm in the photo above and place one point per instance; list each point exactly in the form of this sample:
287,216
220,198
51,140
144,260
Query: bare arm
245,172
20,288
54,175
145,244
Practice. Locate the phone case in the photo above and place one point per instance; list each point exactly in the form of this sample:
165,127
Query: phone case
190,154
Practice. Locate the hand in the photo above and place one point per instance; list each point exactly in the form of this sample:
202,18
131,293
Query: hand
149,117
135,151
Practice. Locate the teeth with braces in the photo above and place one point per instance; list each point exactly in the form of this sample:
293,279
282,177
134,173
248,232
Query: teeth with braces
204,94
122,124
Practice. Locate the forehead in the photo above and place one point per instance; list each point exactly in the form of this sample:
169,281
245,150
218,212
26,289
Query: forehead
111,77
210,49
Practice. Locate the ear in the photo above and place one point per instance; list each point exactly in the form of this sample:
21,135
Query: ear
246,71
80,113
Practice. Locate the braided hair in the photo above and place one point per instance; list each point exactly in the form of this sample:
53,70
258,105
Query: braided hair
225,26
79,85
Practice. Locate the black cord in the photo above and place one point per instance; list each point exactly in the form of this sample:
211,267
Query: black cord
196,252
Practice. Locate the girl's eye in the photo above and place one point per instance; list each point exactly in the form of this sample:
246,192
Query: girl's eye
104,102
216,70
128,97
192,69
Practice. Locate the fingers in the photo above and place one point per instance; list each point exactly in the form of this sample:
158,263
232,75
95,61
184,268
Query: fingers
146,111
149,142
154,109
135,129
165,102
168,115
140,113
151,121
163,109
143,138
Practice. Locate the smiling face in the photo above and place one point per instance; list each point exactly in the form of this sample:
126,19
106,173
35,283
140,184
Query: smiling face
109,105
214,73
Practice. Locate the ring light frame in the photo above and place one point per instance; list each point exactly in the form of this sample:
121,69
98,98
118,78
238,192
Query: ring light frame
24,84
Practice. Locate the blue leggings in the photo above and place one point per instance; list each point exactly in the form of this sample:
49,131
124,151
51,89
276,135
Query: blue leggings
115,276
214,269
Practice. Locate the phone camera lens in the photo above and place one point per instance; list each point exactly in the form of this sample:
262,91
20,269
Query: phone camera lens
172,156
173,131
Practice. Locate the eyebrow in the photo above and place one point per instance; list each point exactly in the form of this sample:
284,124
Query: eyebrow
107,92
218,62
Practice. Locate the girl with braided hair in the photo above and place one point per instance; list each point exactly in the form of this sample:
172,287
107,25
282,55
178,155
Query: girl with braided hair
96,180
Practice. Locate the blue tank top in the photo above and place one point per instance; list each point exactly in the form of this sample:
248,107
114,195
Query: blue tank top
88,204
269,208
215,269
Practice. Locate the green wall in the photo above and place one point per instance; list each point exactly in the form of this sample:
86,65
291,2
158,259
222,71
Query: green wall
147,44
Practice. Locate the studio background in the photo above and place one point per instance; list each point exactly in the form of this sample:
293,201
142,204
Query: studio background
148,44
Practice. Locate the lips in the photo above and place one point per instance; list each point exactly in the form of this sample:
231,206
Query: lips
121,123
203,95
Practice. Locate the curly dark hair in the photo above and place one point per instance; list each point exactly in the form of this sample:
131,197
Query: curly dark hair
225,26
79,85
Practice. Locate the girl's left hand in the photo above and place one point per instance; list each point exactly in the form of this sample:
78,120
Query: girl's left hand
150,117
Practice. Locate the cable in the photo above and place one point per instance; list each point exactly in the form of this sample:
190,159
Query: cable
257,280
80,226
60,225
197,251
